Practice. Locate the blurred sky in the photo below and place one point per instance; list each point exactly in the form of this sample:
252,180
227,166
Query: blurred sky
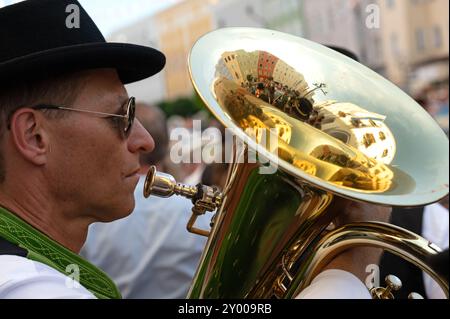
110,15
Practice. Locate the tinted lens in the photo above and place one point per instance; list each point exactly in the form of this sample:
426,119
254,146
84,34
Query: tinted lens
131,111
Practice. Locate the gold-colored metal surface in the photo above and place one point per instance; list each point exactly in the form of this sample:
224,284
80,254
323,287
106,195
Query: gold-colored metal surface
401,242
204,198
339,130
164,185
299,143
393,283
340,126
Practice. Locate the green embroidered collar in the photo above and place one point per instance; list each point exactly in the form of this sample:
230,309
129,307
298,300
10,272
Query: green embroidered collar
47,251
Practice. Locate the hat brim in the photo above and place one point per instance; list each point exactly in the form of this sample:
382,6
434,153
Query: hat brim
132,62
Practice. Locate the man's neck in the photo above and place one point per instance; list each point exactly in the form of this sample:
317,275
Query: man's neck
35,209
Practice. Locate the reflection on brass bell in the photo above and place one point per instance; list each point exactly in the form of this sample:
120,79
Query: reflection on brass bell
393,283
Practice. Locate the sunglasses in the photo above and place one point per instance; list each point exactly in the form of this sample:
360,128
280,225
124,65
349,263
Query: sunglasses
127,119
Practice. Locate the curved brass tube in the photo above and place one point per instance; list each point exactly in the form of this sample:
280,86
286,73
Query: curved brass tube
396,240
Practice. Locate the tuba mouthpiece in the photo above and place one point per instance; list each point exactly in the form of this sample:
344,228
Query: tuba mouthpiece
164,185
204,198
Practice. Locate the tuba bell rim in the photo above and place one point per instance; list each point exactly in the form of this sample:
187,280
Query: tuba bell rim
219,39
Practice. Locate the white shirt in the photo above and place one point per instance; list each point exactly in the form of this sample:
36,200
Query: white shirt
335,284
149,254
195,177
21,278
435,228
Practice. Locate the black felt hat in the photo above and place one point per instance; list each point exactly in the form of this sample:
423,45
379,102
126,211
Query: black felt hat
41,38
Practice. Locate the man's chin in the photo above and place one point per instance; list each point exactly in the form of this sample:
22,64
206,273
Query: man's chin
117,213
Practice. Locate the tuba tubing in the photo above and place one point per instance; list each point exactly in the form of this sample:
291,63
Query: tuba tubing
397,240
312,249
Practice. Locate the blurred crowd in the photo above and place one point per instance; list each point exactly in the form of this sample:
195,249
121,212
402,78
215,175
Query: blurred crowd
434,99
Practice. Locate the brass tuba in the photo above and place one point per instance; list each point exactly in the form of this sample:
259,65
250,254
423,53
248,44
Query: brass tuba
339,129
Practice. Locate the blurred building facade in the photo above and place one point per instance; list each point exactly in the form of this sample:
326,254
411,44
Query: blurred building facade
179,28
403,40
343,23
415,41
144,32
281,15
173,31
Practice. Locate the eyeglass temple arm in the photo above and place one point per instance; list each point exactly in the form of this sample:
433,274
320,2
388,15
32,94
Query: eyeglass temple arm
54,107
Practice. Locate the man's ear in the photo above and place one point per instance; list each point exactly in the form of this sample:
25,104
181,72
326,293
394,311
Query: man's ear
28,135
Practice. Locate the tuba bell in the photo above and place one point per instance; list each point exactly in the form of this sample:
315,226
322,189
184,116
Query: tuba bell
339,129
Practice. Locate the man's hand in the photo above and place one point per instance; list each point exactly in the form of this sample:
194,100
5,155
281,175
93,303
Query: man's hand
351,212
355,260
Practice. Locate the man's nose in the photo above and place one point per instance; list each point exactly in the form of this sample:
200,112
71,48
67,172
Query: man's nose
140,139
